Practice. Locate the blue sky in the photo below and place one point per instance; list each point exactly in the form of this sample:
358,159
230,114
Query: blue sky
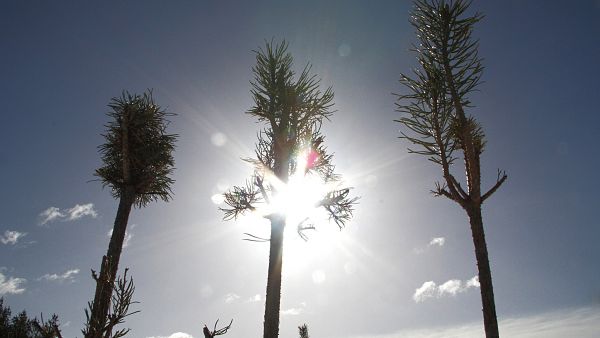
61,62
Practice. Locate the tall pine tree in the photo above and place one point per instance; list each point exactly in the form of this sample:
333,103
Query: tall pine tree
291,145
138,163
435,114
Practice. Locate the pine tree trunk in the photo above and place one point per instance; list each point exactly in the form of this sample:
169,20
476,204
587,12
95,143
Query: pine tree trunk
273,298
110,265
490,320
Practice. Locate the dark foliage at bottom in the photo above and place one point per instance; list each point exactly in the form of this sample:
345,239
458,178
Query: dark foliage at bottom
21,326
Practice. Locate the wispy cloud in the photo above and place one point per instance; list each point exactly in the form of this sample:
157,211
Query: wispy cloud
79,211
11,285
11,237
50,214
436,241
580,323
473,282
439,241
427,290
257,298
71,214
294,311
174,335
452,287
68,276
231,297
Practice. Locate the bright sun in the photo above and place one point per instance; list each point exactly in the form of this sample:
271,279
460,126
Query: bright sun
298,200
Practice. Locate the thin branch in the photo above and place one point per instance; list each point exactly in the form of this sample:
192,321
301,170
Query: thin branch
499,180
440,190
259,183
301,228
216,332
339,206
240,200
47,328
255,238
223,330
121,299
458,188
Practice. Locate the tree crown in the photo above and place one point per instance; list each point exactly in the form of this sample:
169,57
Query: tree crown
450,70
293,110
433,110
138,152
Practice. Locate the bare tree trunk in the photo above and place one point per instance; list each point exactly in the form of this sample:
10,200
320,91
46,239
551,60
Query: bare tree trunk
490,320
110,265
273,298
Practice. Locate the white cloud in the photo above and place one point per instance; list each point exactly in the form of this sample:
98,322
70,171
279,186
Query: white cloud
257,298
11,285
231,297
427,290
439,241
127,238
436,241
473,282
78,211
11,237
451,287
580,323
68,276
292,311
50,215
295,310
174,335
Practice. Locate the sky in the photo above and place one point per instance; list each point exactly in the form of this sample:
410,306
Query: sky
402,267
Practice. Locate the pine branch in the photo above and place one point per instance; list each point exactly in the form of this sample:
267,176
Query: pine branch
499,180
122,298
440,190
303,331
339,206
216,332
302,227
456,186
240,200
254,238
138,151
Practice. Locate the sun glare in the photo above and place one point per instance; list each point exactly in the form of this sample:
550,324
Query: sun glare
299,200
300,196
